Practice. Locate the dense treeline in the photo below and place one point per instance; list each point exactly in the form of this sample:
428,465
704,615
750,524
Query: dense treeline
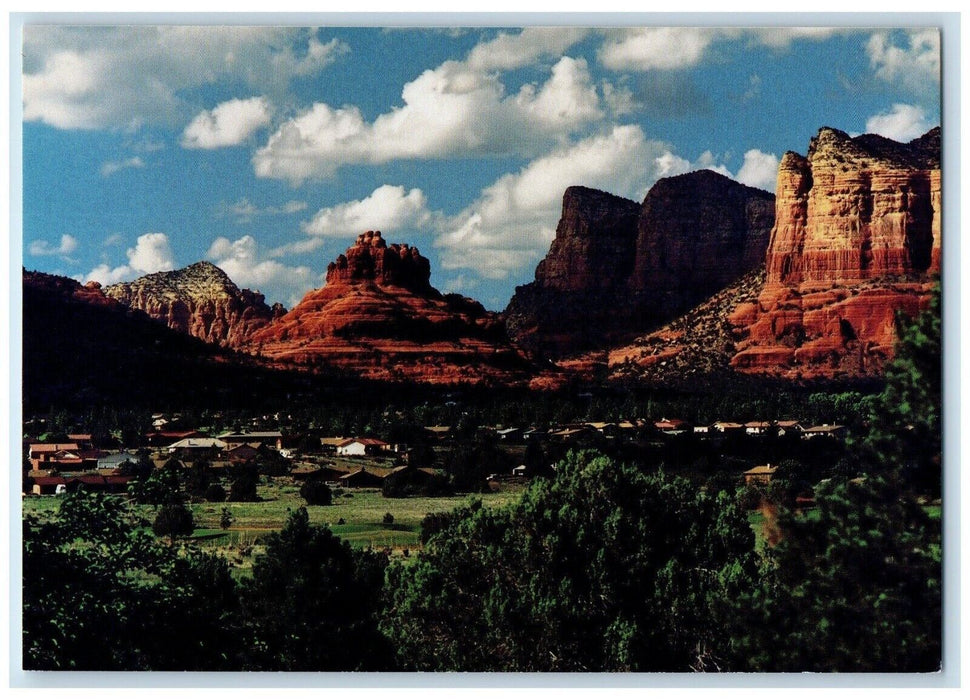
601,568
602,565
362,413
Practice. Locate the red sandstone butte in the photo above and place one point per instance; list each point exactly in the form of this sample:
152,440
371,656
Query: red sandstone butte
616,268
856,239
379,317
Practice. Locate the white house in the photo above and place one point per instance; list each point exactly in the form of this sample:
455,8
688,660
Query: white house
358,447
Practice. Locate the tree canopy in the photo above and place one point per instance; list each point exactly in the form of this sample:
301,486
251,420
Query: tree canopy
312,603
856,585
905,436
101,594
602,568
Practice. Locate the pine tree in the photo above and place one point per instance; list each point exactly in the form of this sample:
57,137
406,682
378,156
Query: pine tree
905,439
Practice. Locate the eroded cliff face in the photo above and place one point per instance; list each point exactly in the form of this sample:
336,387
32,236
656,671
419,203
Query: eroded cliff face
199,300
572,302
595,242
697,233
856,209
370,259
379,317
617,268
856,238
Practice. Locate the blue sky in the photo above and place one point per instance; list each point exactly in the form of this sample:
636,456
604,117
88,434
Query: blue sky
266,150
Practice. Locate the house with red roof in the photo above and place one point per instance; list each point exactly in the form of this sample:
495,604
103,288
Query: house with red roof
358,447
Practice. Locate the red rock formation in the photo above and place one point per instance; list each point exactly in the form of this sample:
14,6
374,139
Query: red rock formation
856,238
370,258
697,234
378,316
199,300
595,242
856,209
572,302
616,269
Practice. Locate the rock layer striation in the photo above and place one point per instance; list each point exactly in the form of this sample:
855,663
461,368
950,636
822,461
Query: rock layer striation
199,300
379,317
617,268
856,239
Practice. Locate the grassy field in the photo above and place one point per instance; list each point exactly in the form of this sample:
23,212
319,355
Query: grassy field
357,515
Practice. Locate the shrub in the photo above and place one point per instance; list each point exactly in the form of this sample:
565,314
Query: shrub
388,519
316,493
173,520
313,602
433,523
215,493
245,478
602,568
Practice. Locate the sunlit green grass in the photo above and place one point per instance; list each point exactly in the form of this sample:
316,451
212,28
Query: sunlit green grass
357,515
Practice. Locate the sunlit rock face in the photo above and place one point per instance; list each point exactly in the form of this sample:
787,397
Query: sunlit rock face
199,300
856,239
379,317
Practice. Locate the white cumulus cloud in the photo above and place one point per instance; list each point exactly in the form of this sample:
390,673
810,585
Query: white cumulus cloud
668,164
673,48
86,77
647,48
228,124
451,111
67,245
759,170
105,274
152,253
567,100
510,51
247,266
388,208
915,64
902,123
